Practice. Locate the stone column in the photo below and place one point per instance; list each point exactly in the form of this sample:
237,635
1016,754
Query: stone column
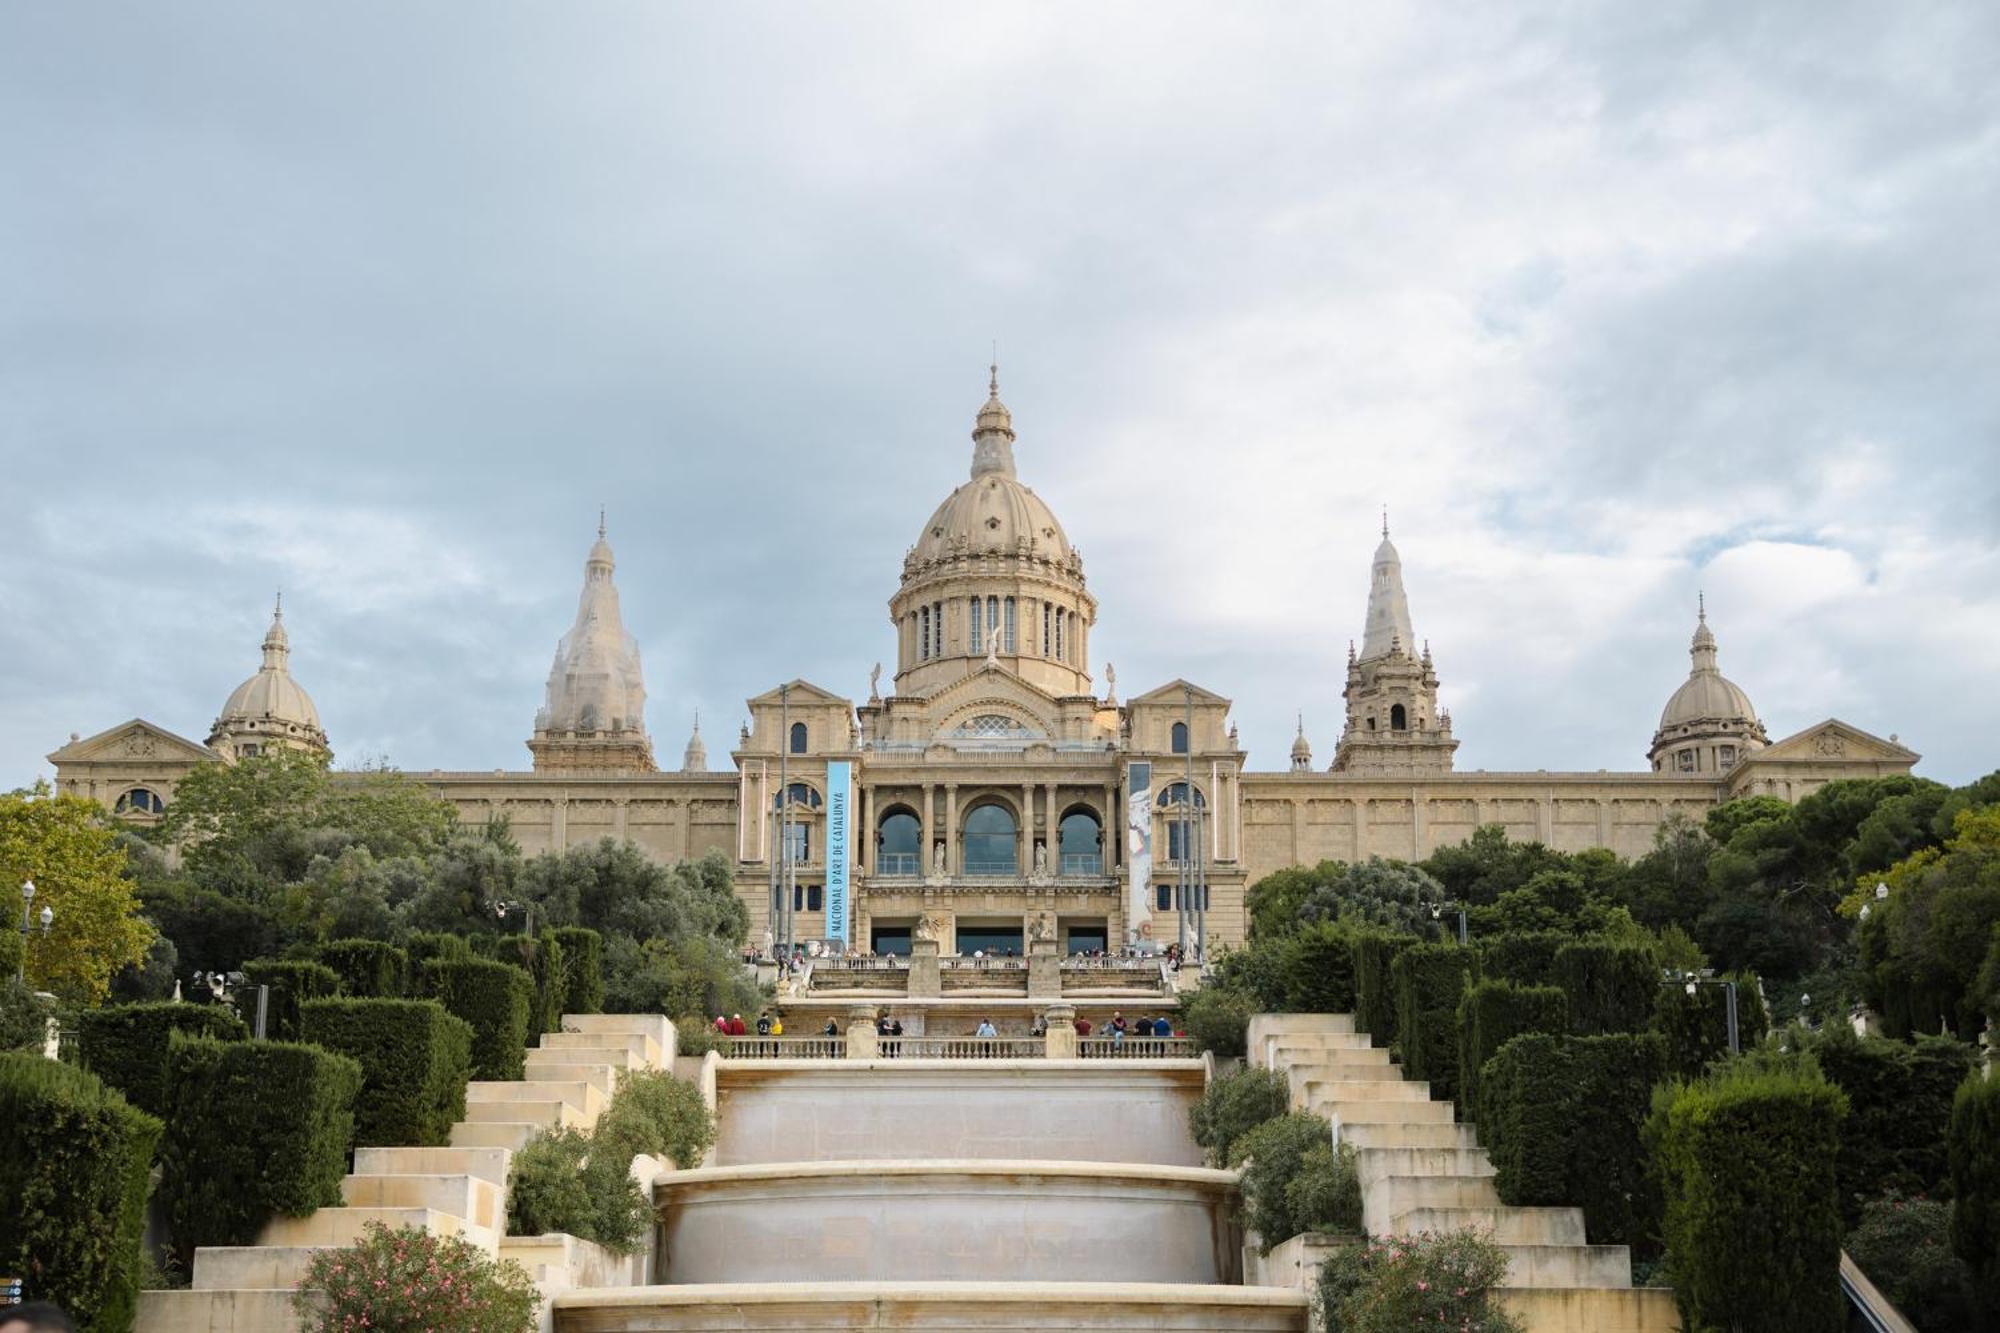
1027,860
926,823
951,865
861,1042
1044,970
1113,836
925,983
1061,1038
867,840
1054,834
618,818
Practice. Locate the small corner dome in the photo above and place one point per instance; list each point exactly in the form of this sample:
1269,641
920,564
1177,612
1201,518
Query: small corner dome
272,696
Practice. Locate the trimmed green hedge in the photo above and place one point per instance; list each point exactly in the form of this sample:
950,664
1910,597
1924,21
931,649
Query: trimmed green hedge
1526,958
1317,969
292,983
75,1163
1232,1105
1973,1142
1275,1154
1374,987
1752,1202
1430,980
1491,1014
126,1044
424,945
255,1130
415,1059
1611,986
541,957
585,950
1697,1027
1899,1098
1562,1118
497,999
368,968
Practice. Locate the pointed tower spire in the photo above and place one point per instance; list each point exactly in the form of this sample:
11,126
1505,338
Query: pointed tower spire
695,758
1388,628
993,430
593,718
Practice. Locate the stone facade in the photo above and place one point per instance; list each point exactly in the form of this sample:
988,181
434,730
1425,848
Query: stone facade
993,786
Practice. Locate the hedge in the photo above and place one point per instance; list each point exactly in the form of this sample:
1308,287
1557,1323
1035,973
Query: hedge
1274,1154
368,967
1899,1098
541,957
1526,958
424,945
1430,979
1232,1105
1562,1118
1216,1017
497,999
584,948
415,1059
126,1044
1317,967
1752,1202
1375,953
1611,986
255,1130
1697,1027
1490,1015
1973,1140
75,1162
292,983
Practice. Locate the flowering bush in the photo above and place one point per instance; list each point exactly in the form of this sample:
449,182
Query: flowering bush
1904,1246
410,1281
1433,1280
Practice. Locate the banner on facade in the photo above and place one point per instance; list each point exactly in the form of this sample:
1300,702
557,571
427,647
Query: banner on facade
1139,854
837,789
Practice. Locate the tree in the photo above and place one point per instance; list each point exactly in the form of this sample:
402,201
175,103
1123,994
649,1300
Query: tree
1925,945
1487,864
63,844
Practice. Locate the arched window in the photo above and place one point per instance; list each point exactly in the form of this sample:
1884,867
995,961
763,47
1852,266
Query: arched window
1180,738
1177,793
1059,638
978,627
1399,718
1082,844
1048,615
899,844
140,801
924,635
990,841
1007,643
798,738
801,794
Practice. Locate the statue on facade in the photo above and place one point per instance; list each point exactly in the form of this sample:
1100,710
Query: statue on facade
937,858
1041,858
1041,926
875,683
1110,686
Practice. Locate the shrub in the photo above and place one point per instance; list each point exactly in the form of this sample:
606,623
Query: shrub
565,1180
496,998
1697,1026
1326,1193
1218,1018
292,983
1429,979
24,1015
410,1281
585,950
424,946
653,1112
1752,1205
1375,955
1899,1097
541,957
368,967
255,1129
1526,958
695,1035
1431,1280
1611,986
1231,1106
1490,1015
1317,969
1974,1148
75,1158
1904,1246
126,1044
1563,1120
1273,1156
414,1057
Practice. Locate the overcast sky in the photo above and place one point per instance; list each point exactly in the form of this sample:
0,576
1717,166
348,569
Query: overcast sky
377,303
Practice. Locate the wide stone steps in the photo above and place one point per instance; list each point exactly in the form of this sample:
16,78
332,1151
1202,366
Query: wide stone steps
457,1190
1421,1171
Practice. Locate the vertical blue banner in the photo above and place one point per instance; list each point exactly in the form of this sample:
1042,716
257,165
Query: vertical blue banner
838,786
1139,854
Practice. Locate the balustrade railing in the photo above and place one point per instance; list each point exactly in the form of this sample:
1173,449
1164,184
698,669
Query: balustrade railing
783,1048
963,1048
961,963
897,863
1135,1048
1082,863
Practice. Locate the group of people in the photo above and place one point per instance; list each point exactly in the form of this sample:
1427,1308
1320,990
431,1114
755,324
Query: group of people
769,1024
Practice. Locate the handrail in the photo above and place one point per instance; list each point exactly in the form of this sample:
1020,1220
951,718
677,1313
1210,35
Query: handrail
1135,1048
783,1048
1869,1303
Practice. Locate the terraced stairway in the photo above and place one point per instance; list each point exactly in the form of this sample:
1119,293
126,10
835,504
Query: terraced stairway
1422,1171
457,1190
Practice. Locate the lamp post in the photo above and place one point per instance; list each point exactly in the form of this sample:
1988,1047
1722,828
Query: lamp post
28,918
1437,914
500,911
1692,984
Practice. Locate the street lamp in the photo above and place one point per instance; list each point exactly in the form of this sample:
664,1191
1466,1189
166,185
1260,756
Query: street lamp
1437,914
1693,984
28,918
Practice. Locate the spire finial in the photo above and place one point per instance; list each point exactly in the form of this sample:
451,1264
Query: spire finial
600,522
278,608
993,376
1385,520
1701,607
1302,723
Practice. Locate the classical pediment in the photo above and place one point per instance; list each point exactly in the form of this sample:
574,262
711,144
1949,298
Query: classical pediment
1177,692
803,693
1833,741
137,741
985,702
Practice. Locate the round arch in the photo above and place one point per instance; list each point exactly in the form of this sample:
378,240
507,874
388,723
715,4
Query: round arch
991,838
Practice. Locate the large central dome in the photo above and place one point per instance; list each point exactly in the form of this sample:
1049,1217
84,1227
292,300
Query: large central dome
993,513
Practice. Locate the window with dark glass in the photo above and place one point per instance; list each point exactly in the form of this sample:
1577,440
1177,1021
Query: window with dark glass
798,738
1180,738
991,847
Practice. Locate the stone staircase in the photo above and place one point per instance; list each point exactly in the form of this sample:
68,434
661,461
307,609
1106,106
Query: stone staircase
457,1190
1420,1171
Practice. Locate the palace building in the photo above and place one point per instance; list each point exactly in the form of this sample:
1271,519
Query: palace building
995,794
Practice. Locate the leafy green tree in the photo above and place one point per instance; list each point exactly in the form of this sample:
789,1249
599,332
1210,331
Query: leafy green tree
1488,864
64,844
